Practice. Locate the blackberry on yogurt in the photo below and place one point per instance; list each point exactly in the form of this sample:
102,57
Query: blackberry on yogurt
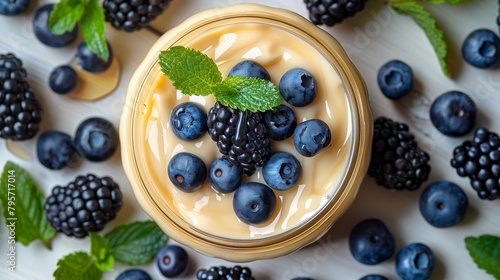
397,162
241,136
479,160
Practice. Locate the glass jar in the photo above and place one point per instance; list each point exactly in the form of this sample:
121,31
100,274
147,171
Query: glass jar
278,39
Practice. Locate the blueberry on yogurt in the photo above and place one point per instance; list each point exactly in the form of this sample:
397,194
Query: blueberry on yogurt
254,203
225,176
249,68
282,171
187,171
189,121
298,87
311,136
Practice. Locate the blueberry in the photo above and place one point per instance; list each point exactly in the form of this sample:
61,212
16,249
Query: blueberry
281,122
298,87
373,277
55,149
395,79
134,274
282,171
189,121
254,203
90,62
481,48
172,261
63,79
312,136
96,139
415,262
443,204
249,68
225,176
371,242
43,33
187,171
13,7
453,113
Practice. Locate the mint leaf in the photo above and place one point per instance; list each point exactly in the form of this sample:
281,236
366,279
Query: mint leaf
94,28
135,243
485,251
77,266
247,93
65,15
191,71
425,20
23,206
99,250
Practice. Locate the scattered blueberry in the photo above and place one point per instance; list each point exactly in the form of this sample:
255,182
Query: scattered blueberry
225,176
282,171
13,7
371,242
189,121
281,122
453,113
249,68
482,48
373,277
311,136
415,262
172,261
96,139
443,204
187,171
395,79
298,87
63,79
55,149
43,33
90,62
254,203
134,274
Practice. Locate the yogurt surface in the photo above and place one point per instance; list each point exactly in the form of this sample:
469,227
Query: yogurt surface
211,212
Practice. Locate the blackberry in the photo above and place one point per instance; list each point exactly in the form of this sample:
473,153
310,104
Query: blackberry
479,160
241,136
397,162
132,15
84,205
330,12
225,273
20,112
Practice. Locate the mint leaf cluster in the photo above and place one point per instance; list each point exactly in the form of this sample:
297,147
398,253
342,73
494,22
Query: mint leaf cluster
194,73
67,13
485,251
428,24
135,243
23,206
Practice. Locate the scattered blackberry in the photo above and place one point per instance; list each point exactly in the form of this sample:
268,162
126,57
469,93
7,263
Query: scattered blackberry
225,273
20,112
397,162
134,14
479,160
84,205
241,136
330,12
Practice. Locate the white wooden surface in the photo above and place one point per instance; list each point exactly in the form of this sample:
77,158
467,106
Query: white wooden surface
371,39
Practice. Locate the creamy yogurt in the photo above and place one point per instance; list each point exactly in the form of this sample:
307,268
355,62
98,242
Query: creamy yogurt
212,212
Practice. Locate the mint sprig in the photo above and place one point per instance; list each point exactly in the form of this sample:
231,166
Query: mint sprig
23,206
67,13
134,243
428,24
194,73
485,251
